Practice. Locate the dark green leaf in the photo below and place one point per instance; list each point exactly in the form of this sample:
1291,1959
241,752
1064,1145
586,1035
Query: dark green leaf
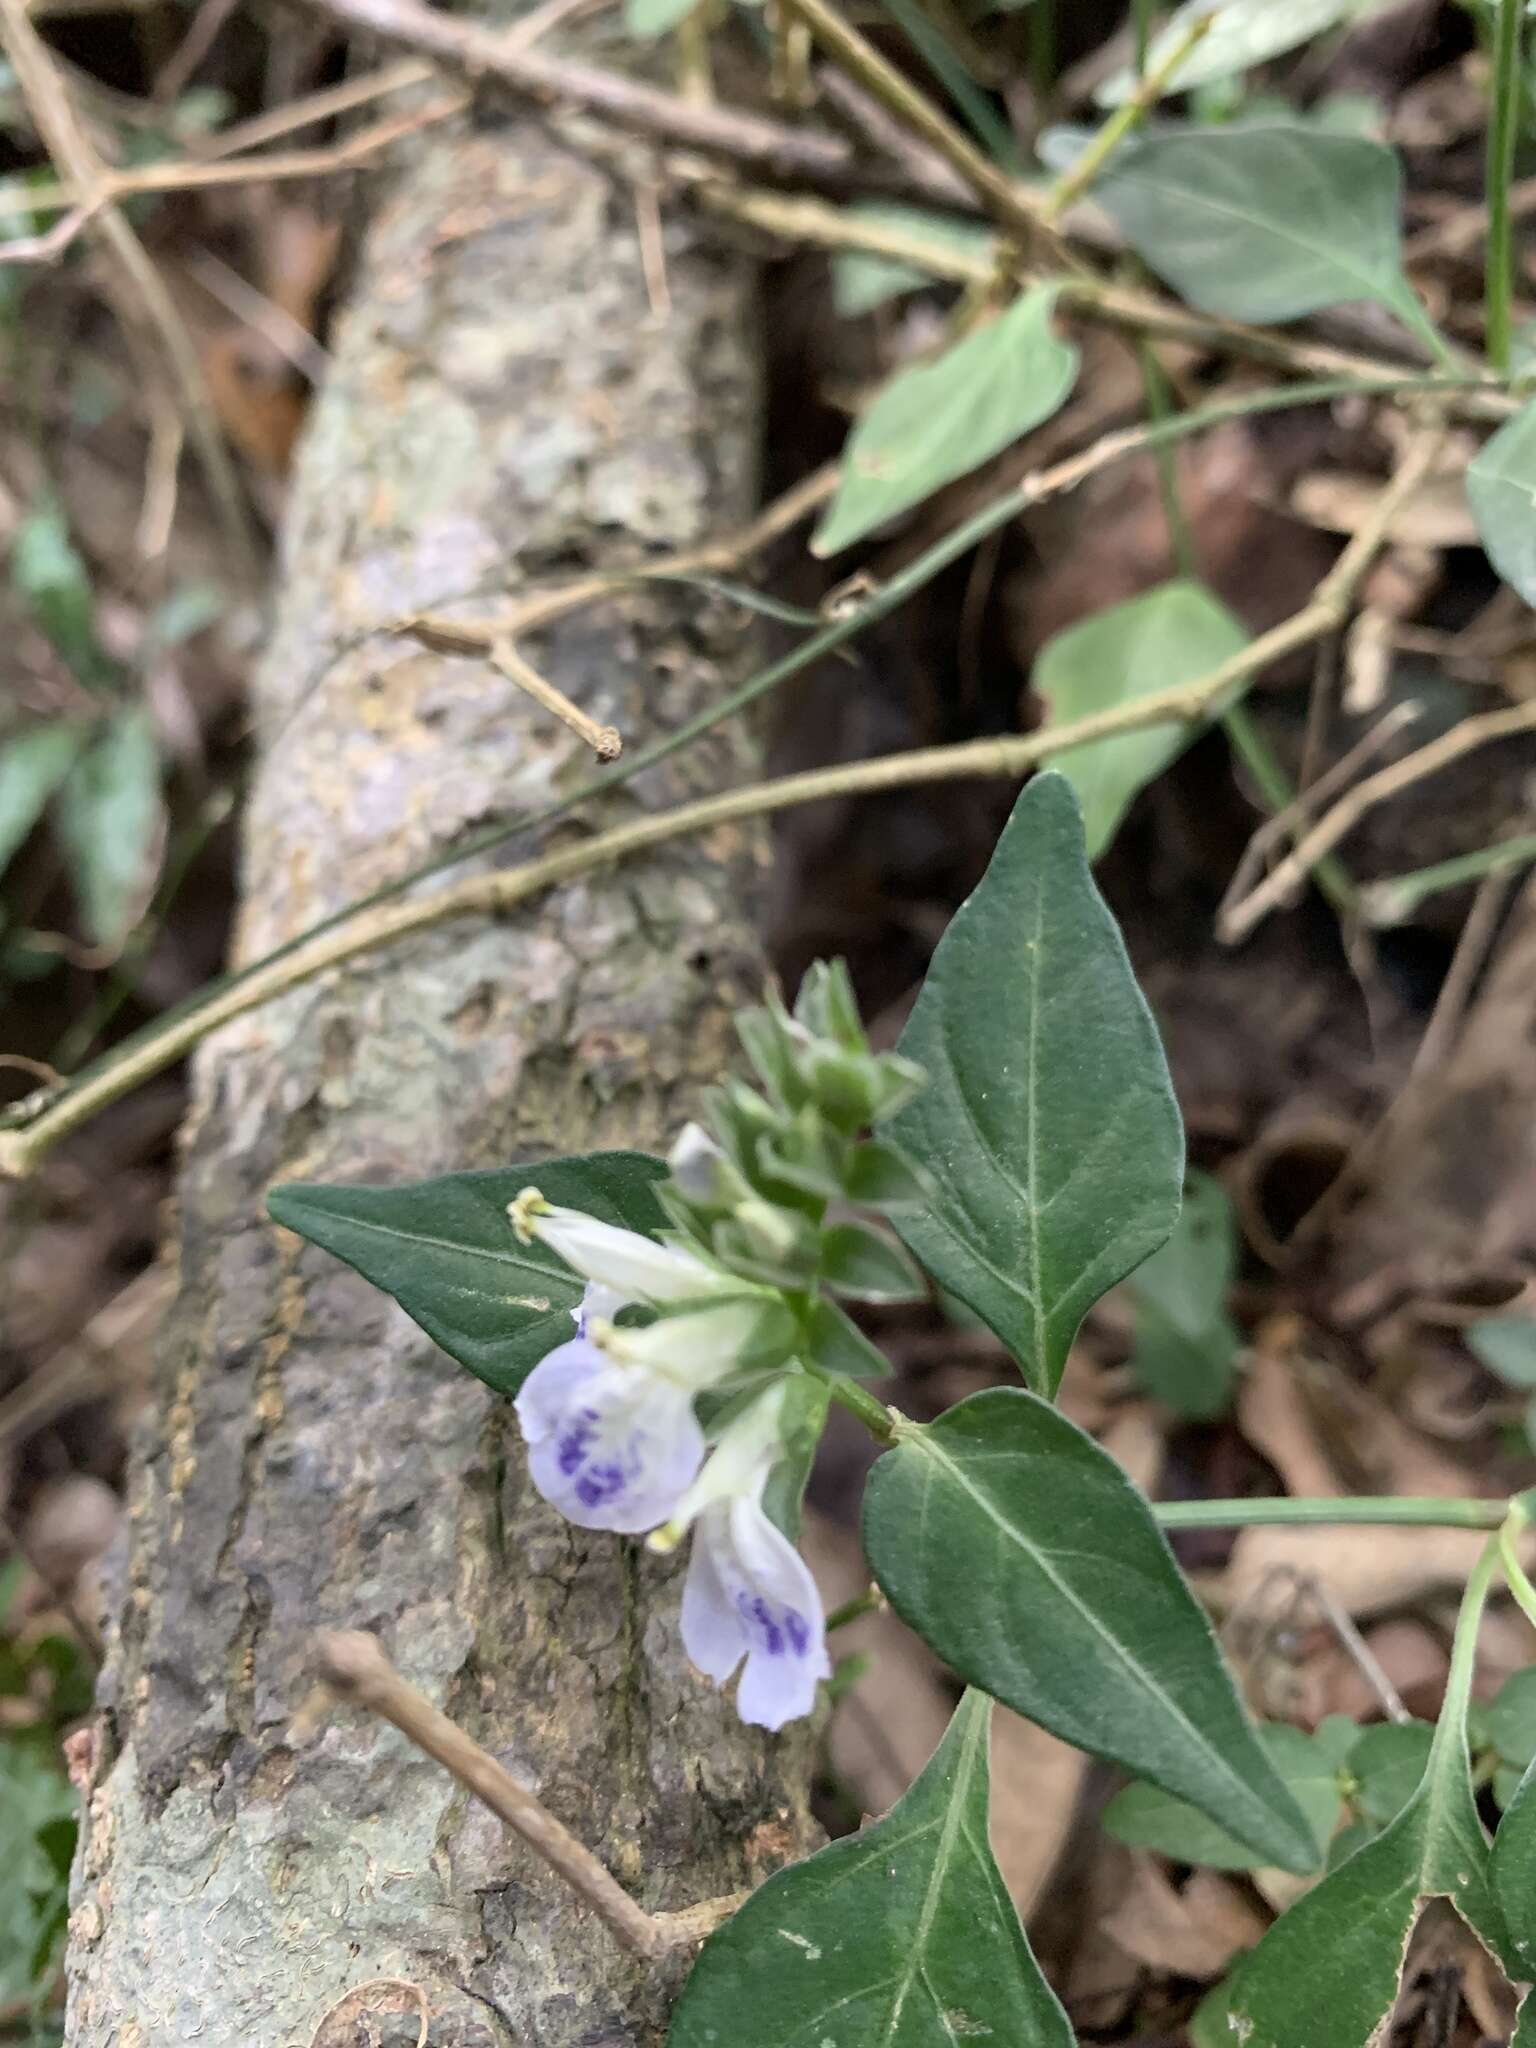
901,1936
1387,1764
1021,1553
1048,1123
1187,1346
1145,1817
860,1263
939,420
838,1345
1511,1718
1501,489
34,1795
1264,223
32,765
880,1176
862,281
1507,1346
109,819
49,577
1172,635
446,1251
1327,1972
1514,1874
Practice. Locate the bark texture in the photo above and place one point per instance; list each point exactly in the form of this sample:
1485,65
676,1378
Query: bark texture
504,404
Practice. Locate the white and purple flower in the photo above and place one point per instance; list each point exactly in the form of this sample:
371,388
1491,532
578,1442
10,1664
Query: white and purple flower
614,1443
748,1593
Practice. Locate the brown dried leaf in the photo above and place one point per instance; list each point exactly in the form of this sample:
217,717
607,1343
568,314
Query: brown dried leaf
1190,1933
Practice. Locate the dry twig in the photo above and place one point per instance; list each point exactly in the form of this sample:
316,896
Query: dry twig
355,1667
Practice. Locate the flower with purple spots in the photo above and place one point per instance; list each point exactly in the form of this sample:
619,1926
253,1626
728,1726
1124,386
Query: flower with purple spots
748,1593
613,1441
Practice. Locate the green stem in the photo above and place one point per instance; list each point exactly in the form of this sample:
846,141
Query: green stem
1251,747
887,599
993,133
1076,179
1160,407
1042,49
1519,1584
1423,1512
881,1422
1452,1724
1393,901
1142,14
871,1602
1503,130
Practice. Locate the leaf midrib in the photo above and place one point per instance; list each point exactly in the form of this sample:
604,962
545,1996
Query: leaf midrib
440,1244
933,1450
1194,198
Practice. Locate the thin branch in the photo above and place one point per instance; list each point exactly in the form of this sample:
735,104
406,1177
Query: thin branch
481,55
1336,824
1014,209
34,1126
604,740
71,148
1473,945
355,1667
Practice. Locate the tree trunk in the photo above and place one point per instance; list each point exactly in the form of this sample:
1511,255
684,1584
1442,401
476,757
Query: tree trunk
504,404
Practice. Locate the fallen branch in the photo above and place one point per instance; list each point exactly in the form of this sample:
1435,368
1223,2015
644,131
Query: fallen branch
356,1669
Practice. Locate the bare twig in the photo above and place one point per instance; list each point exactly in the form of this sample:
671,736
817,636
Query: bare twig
355,1667
71,148
483,56
1014,209
1337,823
604,740
50,245
1473,945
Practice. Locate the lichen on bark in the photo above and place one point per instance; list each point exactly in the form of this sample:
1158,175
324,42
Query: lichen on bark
504,403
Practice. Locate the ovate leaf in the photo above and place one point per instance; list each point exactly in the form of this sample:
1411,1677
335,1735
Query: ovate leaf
1022,1554
109,818
939,420
1171,635
1187,1346
1327,1972
1507,1346
1048,1123
51,579
1243,33
32,765
1144,1817
446,1251
1510,1718
1501,488
901,1936
1264,223
863,280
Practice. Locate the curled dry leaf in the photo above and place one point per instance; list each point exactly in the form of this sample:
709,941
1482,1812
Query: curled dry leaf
1190,1933
354,2021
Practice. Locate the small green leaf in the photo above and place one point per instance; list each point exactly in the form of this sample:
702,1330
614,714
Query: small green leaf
1172,635
1144,1817
837,1345
649,19
1511,1718
50,578
862,1265
1264,223
1507,1346
1388,1762
939,420
802,1418
861,281
445,1250
1501,489
880,1176
1327,1972
35,1795
1243,33
1187,1346
1021,1553
32,765
900,1936
1048,1123
109,817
